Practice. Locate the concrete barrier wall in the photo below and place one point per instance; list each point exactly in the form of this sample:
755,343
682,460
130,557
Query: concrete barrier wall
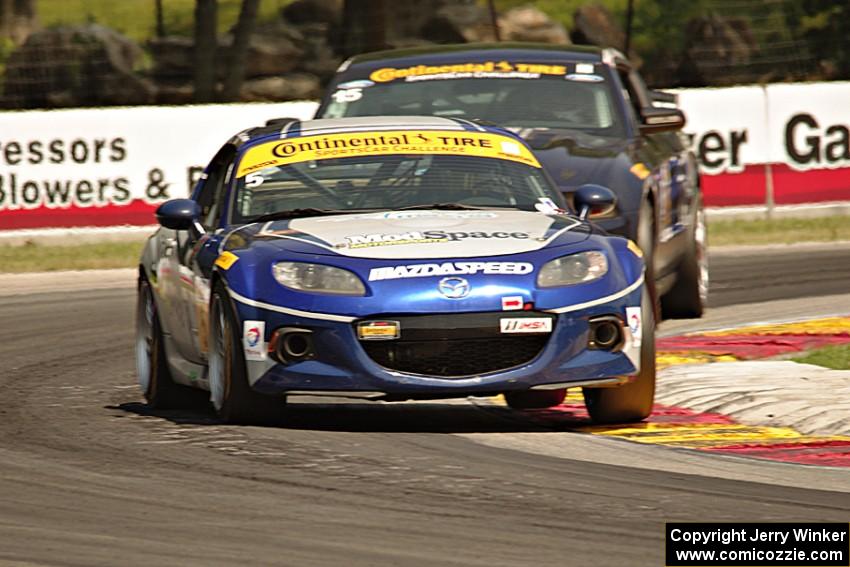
780,144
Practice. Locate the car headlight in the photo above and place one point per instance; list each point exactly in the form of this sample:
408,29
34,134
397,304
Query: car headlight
573,269
317,278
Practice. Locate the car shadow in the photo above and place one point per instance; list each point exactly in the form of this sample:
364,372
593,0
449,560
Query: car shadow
396,417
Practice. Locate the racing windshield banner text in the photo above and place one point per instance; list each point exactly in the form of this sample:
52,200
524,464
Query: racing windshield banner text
332,146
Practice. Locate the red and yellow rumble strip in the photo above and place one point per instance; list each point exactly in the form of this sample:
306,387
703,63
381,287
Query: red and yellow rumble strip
716,433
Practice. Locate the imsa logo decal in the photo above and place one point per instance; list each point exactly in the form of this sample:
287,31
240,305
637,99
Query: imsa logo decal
526,325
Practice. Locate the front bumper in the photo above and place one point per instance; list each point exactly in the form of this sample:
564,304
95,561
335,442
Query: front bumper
341,363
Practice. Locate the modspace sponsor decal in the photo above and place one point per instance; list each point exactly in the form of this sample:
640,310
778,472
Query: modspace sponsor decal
427,237
450,269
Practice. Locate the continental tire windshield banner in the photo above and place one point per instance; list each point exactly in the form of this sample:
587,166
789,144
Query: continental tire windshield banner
425,142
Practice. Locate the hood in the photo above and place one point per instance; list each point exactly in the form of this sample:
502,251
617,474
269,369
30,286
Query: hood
427,234
574,158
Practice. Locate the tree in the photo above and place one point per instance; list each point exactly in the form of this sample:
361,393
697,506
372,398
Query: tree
17,19
235,74
206,20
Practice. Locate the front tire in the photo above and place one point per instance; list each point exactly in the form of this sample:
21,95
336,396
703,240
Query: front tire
230,393
152,370
688,297
633,401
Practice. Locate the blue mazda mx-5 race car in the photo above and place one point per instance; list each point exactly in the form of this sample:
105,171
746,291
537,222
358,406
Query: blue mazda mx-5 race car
390,258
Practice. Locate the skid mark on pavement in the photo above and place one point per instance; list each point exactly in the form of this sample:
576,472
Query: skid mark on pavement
712,432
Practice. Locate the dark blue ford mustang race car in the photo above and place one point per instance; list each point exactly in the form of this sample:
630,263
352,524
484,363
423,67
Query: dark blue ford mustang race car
588,117
390,258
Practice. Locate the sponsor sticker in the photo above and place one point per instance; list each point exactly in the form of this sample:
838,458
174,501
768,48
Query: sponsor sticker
378,330
584,68
581,78
634,321
409,215
226,260
347,95
427,237
353,144
478,70
640,171
547,206
512,303
253,340
356,84
526,325
450,269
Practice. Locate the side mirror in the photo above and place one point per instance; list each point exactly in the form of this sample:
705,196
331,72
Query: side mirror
179,214
594,200
659,119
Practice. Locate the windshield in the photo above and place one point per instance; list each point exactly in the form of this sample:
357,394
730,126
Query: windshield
570,100
388,182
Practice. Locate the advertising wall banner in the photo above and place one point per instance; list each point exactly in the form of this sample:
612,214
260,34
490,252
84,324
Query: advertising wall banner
109,167
780,144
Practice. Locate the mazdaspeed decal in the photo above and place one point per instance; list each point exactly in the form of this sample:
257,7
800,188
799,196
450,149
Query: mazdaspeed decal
226,260
450,269
332,146
481,70
426,237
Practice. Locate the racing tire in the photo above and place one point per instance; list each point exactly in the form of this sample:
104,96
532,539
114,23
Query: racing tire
232,397
535,399
646,241
152,370
633,401
688,296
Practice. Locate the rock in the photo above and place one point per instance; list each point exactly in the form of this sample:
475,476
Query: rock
459,22
271,55
593,24
76,66
718,52
296,86
175,93
313,11
317,56
172,56
527,23
272,51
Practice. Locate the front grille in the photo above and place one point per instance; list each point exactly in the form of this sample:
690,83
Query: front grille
455,346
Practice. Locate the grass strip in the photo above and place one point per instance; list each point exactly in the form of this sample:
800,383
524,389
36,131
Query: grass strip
778,231
34,257
49,258
836,357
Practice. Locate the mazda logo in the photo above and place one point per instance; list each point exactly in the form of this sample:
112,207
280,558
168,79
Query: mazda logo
454,288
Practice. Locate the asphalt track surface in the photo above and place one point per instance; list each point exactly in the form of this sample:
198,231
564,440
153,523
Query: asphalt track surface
90,476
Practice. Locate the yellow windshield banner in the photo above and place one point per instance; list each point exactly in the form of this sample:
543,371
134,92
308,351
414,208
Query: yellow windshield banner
483,69
355,144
